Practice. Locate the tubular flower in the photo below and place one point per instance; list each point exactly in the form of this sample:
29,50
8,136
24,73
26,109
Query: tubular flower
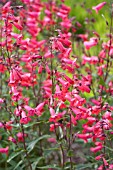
99,6
24,118
91,43
4,150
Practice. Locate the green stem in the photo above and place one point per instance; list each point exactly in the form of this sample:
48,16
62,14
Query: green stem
25,148
70,131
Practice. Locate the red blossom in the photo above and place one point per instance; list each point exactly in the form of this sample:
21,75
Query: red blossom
24,118
99,6
30,110
21,136
4,150
93,42
54,126
1,100
85,137
8,125
12,139
39,109
52,140
97,148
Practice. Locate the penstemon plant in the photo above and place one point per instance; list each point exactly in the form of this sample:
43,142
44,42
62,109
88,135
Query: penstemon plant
56,86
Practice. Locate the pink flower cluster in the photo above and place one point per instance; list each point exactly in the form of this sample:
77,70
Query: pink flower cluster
47,78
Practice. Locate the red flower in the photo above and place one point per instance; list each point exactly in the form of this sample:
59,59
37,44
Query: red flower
8,125
30,110
19,27
96,149
4,150
20,136
39,109
88,44
1,100
99,6
12,139
52,140
85,137
24,118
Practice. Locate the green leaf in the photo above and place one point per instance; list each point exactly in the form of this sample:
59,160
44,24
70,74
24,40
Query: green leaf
61,132
109,148
70,153
33,143
101,81
50,166
19,163
57,110
16,125
88,95
48,151
52,149
13,155
84,166
31,124
34,164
